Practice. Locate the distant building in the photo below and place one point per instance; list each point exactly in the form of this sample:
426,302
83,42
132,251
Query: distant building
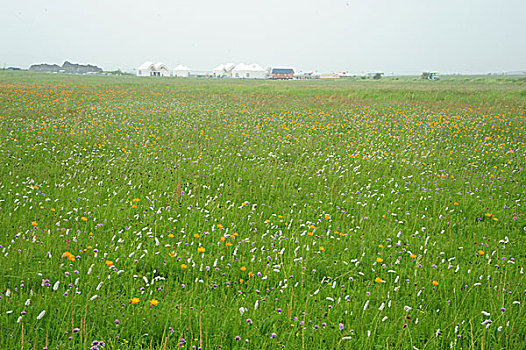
149,69
329,76
282,73
223,70
181,71
248,71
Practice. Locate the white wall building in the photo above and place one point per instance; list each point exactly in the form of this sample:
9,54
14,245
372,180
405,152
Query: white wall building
148,69
181,71
223,70
249,71
145,69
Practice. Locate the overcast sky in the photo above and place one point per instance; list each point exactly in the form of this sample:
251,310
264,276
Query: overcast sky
401,36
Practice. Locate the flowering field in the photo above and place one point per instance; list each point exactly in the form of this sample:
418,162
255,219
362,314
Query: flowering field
160,214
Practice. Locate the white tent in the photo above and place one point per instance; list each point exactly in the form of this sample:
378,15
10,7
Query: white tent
181,71
249,71
145,69
223,70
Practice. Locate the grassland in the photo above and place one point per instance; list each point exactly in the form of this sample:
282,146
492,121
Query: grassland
167,213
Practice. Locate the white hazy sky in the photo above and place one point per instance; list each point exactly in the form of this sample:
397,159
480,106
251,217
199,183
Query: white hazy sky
401,36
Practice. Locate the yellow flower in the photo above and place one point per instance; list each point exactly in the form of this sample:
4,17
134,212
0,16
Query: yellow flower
456,203
488,215
201,249
481,252
322,249
34,223
228,244
172,254
184,266
312,227
327,216
412,256
243,268
250,274
378,280
135,300
154,302
495,219
196,235
109,262
219,226
381,246
135,200
379,260
134,206
222,239
435,283
171,235
310,234
84,218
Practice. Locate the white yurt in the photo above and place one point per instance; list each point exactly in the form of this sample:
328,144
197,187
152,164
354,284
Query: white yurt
249,71
181,71
145,69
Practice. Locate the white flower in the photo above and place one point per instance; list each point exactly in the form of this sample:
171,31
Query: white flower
40,315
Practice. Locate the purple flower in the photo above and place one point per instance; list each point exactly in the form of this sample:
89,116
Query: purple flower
237,337
273,335
340,326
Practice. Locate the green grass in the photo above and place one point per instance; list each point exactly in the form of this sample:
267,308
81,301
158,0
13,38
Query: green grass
303,195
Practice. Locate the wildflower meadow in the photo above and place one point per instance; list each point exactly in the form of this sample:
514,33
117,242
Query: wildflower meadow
207,214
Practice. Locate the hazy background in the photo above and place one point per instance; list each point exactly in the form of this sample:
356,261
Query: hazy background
400,36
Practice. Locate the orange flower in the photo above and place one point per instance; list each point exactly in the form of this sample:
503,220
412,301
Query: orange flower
172,254
412,256
378,280
322,249
154,302
184,266
481,252
222,239
134,206
171,235
228,244
84,218
455,204
109,263
243,268
327,216
201,249
34,223
219,226
196,235
135,300
379,260
435,283
135,200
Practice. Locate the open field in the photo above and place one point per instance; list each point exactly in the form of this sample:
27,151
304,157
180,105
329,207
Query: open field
166,213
